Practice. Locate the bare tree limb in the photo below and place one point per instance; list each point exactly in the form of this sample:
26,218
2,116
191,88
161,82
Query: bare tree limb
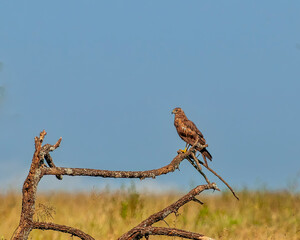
197,166
62,228
38,169
171,167
223,181
171,232
51,164
45,153
30,187
206,165
173,208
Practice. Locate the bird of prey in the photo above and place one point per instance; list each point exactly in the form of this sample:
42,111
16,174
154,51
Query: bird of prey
189,133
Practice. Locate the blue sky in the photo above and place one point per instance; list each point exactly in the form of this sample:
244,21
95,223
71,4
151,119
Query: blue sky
105,75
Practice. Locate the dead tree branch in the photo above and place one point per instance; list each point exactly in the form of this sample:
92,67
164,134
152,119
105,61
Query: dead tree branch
192,157
38,169
171,232
62,228
223,181
30,187
173,208
171,167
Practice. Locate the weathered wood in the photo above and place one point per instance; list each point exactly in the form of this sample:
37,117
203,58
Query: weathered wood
29,191
38,169
62,228
173,208
171,232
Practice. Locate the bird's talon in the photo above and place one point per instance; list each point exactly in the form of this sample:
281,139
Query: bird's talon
183,151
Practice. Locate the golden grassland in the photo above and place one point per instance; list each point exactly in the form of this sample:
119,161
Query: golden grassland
107,215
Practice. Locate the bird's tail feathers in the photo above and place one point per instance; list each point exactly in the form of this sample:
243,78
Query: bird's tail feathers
206,154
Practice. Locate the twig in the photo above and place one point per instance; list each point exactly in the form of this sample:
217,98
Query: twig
51,164
166,222
197,201
199,167
222,181
45,154
211,170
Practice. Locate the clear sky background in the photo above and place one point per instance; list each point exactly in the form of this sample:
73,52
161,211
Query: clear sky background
105,75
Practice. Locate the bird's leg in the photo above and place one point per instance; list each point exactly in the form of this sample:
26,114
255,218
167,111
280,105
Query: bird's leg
185,149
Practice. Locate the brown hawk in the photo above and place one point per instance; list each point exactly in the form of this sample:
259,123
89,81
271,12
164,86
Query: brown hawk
189,133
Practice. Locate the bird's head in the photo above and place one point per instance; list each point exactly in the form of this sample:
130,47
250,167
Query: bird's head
177,110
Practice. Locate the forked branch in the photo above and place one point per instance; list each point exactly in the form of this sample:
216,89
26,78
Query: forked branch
196,163
135,233
38,169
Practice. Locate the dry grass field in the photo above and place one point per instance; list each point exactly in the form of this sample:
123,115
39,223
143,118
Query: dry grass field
107,215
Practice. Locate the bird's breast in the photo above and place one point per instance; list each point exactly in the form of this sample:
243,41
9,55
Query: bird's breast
183,128
180,127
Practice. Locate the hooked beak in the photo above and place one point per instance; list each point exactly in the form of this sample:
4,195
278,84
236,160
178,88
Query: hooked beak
173,112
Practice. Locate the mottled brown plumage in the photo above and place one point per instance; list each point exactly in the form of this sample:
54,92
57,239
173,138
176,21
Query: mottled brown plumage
189,133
